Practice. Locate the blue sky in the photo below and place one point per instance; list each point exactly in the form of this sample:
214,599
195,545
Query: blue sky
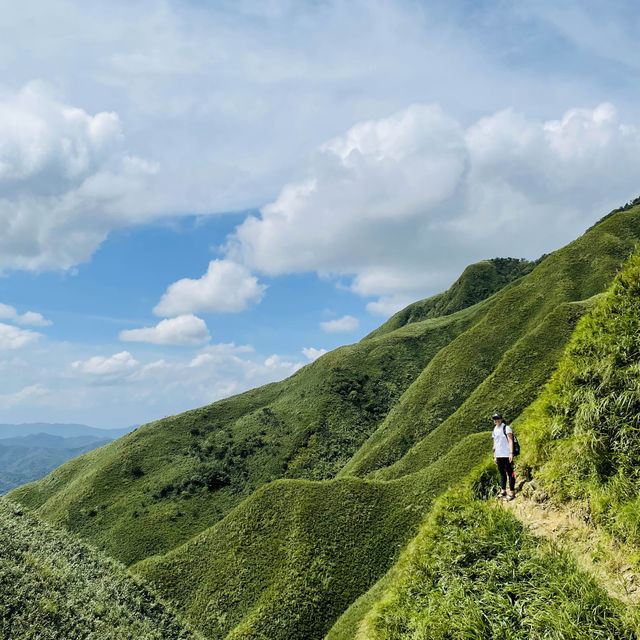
197,198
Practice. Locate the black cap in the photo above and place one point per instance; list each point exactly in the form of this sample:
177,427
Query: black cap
496,416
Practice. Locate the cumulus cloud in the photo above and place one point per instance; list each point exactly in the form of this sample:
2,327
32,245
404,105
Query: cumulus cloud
106,366
403,203
66,180
13,338
226,287
186,330
7,312
311,353
346,323
30,393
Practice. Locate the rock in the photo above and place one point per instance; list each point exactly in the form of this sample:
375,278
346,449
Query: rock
540,495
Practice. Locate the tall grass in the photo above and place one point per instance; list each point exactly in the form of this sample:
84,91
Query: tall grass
473,572
54,587
582,437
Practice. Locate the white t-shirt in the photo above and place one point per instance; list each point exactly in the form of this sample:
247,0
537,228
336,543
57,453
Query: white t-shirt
501,448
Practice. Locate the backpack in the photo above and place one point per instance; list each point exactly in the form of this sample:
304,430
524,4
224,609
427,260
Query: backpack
516,444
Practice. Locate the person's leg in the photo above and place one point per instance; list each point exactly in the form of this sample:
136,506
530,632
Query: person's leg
502,468
512,477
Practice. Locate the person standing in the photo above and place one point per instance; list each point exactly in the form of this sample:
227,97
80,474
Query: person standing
503,456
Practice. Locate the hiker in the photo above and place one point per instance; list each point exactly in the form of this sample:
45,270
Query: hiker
503,456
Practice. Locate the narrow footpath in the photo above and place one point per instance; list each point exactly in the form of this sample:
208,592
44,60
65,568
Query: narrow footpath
614,567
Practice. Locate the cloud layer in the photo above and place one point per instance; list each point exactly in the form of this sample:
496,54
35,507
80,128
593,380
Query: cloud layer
226,287
185,330
29,318
66,180
346,323
403,203
14,338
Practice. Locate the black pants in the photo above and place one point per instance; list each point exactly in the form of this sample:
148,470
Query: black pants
506,469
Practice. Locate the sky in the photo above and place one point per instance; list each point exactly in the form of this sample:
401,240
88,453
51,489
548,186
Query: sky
197,198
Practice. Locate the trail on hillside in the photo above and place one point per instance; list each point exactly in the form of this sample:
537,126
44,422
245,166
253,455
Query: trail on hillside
608,561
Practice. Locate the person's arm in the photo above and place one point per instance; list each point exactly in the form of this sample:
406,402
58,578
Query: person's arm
510,439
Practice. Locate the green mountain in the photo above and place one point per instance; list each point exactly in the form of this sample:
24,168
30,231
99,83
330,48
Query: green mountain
281,512
474,570
52,587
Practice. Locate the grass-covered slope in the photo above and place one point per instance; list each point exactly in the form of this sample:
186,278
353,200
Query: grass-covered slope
477,282
502,360
54,587
582,441
474,571
284,559
168,480
292,557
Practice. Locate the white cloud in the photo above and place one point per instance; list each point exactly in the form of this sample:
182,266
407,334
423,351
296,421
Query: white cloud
10,400
7,312
65,180
386,306
311,353
115,365
346,323
186,330
404,203
226,287
276,362
14,338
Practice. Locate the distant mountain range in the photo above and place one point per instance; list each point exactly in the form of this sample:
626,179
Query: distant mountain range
29,452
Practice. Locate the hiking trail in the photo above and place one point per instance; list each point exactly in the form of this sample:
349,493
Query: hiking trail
609,562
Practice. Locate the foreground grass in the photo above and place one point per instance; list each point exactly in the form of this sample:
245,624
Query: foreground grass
474,572
53,587
580,438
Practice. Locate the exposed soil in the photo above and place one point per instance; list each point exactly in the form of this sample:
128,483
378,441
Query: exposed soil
613,566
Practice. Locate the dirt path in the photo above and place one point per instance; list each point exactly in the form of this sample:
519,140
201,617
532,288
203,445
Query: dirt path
615,568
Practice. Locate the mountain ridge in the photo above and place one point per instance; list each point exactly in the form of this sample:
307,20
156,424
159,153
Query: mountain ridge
291,451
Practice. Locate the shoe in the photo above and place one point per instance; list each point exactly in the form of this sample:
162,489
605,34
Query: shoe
502,494
509,498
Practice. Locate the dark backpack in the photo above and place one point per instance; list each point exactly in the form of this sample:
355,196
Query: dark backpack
516,444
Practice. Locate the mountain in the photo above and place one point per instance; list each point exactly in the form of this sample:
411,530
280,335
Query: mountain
24,460
52,586
472,560
282,512
29,452
61,430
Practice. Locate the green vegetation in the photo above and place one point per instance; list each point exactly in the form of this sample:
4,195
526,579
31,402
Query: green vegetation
290,559
53,587
474,572
503,358
169,480
477,282
280,513
581,435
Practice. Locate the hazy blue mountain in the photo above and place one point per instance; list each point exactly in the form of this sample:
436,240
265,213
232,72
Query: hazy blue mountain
29,452
62,430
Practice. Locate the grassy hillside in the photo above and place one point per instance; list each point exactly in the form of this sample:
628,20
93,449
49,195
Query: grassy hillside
231,510
53,587
581,435
156,487
478,282
503,360
474,572
292,557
